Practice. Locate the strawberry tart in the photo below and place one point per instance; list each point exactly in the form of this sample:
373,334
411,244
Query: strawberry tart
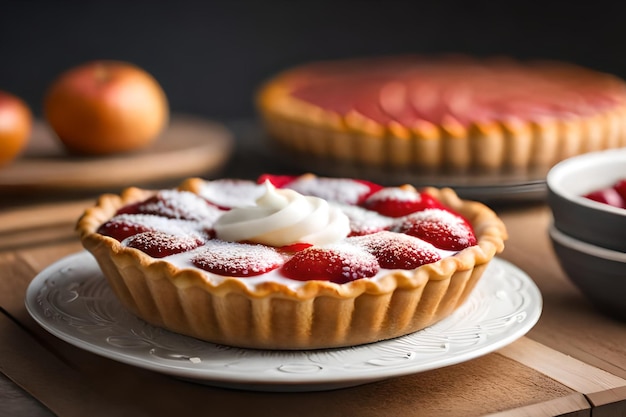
446,114
291,262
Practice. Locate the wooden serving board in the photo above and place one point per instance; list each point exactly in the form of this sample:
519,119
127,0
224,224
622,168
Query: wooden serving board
190,146
571,364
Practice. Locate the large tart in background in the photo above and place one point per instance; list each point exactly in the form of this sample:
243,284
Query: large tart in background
444,114
291,262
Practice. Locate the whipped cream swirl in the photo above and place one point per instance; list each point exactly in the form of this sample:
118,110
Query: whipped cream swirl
284,217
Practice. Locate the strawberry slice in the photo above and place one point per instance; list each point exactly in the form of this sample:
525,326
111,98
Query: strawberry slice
610,196
124,225
175,204
363,221
160,244
237,259
337,263
399,201
129,209
443,229
397,250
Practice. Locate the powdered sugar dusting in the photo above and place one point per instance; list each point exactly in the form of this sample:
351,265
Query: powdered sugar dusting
395,194
178,226
438,217
124,225
363,221
341,190
231,193
237,259
442,228
160,244
180,205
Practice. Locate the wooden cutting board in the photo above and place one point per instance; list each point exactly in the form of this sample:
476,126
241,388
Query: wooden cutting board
190,146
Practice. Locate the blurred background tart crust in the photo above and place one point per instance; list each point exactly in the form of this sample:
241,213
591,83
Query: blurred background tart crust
453,113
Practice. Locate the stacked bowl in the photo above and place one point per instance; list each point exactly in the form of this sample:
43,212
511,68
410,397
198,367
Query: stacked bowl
588,236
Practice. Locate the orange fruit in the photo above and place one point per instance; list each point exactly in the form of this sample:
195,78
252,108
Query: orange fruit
16,123
106,107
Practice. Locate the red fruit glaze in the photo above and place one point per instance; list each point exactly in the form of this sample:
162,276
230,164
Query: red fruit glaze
159,244
338,263
398,202
237,259
397,250
442,228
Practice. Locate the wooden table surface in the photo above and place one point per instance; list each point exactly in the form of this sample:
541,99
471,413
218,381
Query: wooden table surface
572,363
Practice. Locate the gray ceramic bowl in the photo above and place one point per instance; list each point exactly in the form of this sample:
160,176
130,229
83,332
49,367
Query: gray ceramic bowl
579,217
598,272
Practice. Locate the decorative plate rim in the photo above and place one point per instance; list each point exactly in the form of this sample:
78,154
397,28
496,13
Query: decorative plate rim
72,300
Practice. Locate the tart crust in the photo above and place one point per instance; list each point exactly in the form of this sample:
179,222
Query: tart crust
317,314
501,143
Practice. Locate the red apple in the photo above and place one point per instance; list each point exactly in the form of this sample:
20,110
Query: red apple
106,107
16,122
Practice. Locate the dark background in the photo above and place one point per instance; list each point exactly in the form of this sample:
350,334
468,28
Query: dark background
210,56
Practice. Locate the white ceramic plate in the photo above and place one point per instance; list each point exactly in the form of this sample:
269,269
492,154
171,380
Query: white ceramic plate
72,300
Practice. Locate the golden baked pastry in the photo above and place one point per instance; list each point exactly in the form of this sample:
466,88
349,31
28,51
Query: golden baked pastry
291,262
445,114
